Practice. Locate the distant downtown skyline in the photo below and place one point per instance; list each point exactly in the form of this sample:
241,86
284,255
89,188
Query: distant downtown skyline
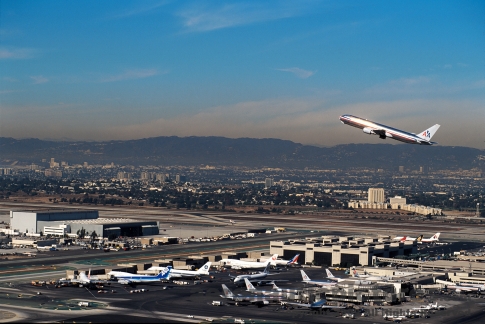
102,70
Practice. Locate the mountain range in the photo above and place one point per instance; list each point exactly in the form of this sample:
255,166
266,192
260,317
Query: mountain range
249,152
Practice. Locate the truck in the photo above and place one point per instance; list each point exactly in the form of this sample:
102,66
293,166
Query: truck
217,303
84,304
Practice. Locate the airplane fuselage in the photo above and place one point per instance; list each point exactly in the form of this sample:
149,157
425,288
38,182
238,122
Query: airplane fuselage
370,127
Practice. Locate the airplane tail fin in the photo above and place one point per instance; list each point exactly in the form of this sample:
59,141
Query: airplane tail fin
249,285
165,274
355,274
275,287
205,268
436,237
420,238
89,273
294,260
227,292
304,276
83,277
266,270
427,134
329,274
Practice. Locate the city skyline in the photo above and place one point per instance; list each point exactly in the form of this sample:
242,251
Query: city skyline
126,70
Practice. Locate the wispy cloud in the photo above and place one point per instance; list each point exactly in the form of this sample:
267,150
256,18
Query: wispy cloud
200,18
39,79
302,74
9,79
143,8
411,81
16,53
131,75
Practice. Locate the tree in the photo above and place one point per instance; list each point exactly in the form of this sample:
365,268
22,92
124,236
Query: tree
81,233
94,235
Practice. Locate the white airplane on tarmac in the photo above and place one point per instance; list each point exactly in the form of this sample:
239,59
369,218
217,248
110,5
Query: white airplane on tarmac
383,131
407,238
259,278
432,239
330,276
276,262
369,277
126,278
238,264
321,283
176,273
257,300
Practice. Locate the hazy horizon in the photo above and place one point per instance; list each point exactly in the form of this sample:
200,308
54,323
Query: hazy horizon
110,70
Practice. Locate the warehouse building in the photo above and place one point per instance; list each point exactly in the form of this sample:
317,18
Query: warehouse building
345,251
60,222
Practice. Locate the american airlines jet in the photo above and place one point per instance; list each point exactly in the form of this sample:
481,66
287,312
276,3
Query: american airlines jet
373,128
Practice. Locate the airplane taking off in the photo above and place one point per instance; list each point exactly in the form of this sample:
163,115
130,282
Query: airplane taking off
238,264
175,273
373,128
432,239
276,262
126,278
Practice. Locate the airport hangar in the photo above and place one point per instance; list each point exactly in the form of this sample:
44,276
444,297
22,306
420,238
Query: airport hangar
346,251
59,222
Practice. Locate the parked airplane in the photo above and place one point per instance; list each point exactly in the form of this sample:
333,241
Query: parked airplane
318,305
286,290
257,300
369,277
250,288
322,283
432,239
276,262
465,289
407,238
373,128
126,278
238,264
258,277
430,306
176,273
84,280
330,276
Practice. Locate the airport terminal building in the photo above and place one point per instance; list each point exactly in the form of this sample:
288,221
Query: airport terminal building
60,222
344,251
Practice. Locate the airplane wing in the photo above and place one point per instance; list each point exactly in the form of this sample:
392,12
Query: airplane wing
264,282
299,304
380,132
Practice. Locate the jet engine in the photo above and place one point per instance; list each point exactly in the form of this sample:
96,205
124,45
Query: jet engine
368,130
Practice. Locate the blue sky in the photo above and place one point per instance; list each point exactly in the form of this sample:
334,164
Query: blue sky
102,70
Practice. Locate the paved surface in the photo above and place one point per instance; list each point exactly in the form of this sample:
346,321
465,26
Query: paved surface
177,303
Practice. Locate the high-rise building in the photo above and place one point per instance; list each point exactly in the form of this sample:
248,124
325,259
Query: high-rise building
376,195
268,182
180,178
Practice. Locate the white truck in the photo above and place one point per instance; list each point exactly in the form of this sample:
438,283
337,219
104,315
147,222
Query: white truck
84,304
217,303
